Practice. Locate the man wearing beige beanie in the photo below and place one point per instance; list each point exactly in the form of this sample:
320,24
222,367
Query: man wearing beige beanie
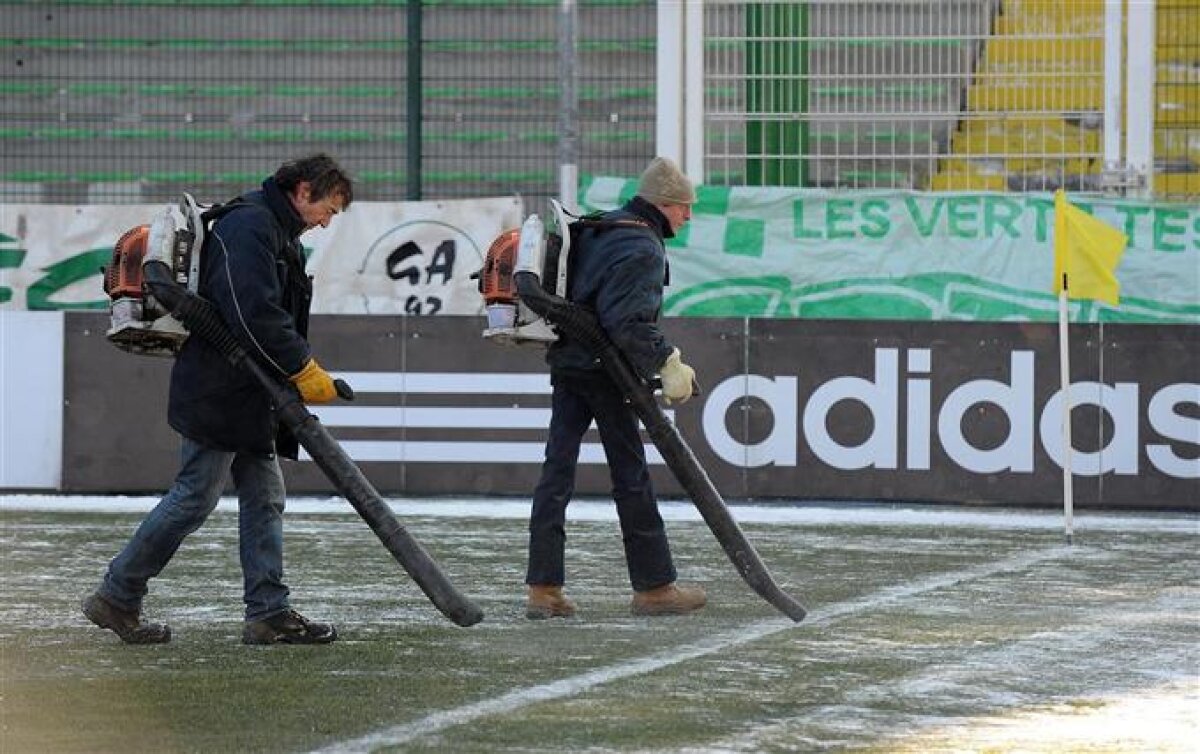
618,272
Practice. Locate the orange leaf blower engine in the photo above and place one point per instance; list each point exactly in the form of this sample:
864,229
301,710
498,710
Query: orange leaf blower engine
530,249
139,323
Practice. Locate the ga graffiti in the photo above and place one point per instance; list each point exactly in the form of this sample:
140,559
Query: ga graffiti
405,264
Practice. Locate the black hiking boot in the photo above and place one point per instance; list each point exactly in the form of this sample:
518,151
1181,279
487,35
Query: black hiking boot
126,624
288,627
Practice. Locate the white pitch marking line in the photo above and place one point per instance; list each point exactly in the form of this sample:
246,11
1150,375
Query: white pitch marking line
752,632
1088,636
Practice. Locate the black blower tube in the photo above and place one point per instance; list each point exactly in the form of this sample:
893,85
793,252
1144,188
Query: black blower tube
200,318
582,325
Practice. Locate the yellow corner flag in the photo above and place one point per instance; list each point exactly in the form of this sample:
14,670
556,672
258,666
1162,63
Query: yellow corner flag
1086,252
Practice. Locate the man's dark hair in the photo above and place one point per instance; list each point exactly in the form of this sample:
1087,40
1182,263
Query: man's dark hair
324,176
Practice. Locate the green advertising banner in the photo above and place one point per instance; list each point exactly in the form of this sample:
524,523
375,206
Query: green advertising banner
903,255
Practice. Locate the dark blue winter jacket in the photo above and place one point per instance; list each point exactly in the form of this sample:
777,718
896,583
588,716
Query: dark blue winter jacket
252,270
619,273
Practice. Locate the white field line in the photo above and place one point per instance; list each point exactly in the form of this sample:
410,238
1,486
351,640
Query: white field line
567,687
1081,640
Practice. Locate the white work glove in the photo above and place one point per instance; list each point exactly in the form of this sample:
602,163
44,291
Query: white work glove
677,378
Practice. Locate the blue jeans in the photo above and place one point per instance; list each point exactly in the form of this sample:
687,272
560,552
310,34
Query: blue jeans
193,496
574,404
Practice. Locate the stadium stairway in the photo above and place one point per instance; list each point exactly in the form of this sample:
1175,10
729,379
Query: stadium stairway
1177,90
1034,113
887,80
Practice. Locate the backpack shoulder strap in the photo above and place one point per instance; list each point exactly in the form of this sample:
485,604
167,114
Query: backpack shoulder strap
599,224
211,214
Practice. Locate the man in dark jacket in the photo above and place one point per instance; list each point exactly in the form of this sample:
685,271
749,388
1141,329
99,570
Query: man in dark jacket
618,272
252,270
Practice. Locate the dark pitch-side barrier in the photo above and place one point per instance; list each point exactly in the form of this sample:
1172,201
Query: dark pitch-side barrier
792,410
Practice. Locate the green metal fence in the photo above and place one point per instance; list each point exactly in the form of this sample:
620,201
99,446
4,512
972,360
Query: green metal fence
133,100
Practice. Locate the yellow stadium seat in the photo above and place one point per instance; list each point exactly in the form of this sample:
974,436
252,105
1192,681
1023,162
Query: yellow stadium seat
1177,184
1023,51
967,182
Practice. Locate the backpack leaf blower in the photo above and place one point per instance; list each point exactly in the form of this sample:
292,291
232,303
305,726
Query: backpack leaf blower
159,282
582,325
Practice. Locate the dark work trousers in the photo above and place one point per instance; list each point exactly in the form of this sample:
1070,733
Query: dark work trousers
576,402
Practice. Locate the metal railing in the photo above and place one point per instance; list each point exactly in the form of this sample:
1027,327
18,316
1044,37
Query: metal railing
132,100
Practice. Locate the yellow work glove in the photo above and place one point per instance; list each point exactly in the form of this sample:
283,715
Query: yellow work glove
314,383
677,378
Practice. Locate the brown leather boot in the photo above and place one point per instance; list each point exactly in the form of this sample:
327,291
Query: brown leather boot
547,601
668,599
124,623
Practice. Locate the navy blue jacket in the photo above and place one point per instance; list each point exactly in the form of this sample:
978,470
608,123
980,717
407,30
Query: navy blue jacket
252,270
619,273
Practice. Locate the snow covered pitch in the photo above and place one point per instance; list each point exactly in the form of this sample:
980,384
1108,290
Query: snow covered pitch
930,630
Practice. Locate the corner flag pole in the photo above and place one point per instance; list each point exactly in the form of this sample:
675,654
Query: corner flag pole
1091,249
1064,366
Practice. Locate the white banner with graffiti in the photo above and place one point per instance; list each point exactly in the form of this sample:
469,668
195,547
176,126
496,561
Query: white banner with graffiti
377,258
407,258
780,252
754,252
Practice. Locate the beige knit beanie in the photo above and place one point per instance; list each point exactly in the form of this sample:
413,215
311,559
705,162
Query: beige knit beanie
663,182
